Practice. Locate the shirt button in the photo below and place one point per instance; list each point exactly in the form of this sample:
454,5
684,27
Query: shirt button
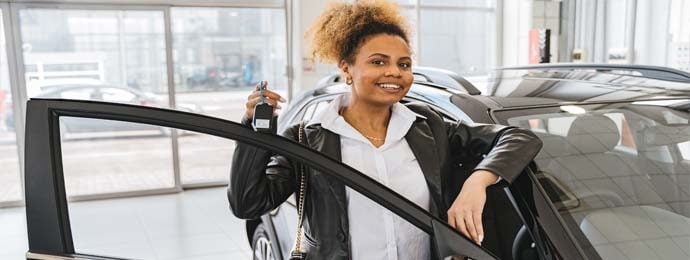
341,237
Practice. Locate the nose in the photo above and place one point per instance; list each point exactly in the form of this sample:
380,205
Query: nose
393,71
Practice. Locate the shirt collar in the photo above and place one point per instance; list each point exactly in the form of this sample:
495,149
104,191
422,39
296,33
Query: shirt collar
400,122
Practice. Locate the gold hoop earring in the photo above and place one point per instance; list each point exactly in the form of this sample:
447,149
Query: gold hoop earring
348,81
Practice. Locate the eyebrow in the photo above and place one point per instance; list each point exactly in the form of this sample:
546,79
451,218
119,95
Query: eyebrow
386,56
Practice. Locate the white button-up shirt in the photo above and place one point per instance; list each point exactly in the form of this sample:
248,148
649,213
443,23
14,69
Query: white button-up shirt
375,232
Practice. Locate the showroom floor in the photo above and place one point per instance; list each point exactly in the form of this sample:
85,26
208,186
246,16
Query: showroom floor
195,224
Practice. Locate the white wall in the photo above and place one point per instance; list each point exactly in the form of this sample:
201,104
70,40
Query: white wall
306,75
517,20
652,32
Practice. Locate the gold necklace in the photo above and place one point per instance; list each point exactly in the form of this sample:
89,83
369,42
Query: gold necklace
342,111
374,138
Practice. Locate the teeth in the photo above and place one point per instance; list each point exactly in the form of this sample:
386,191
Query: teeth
390,86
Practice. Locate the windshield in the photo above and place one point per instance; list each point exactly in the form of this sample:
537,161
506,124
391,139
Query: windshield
619,174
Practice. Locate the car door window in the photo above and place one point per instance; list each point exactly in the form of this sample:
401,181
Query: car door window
175,225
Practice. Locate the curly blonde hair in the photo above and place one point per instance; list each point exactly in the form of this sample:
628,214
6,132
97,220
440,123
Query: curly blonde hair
340,30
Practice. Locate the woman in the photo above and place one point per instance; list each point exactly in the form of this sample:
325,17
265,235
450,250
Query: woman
371,131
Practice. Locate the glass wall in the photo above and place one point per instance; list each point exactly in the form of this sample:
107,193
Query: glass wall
122,157
119,53
10,181
459,36
94,47
643,32
103,55
467,47
220,55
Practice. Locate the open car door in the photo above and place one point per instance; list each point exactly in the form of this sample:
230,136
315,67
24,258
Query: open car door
48,219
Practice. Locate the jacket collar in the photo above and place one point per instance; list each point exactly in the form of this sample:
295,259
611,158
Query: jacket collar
419,137
329,117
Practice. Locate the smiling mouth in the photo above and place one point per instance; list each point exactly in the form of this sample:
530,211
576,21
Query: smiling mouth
389,86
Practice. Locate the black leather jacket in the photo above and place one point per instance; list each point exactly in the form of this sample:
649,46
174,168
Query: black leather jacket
447,153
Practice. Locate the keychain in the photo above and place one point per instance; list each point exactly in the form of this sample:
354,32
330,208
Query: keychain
263,120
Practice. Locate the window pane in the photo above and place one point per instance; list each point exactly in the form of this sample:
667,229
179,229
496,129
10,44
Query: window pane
220,54
465,47
121,156
111,56
77,47
10,183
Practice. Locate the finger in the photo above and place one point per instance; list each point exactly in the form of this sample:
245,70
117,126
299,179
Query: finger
254,94
249,106
274,103
477,216
469,221
256,100
273,95
267,94
460,225
259,85
253,101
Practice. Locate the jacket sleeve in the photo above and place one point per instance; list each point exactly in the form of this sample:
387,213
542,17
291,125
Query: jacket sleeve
259,180
506,151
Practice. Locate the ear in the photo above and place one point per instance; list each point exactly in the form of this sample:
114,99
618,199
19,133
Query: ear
344,67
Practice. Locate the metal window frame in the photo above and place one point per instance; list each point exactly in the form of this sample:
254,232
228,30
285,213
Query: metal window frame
16,99
11,22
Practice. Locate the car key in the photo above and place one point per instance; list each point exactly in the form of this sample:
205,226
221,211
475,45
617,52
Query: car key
263,120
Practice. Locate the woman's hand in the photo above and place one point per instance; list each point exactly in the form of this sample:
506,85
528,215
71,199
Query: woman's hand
465,214
255,98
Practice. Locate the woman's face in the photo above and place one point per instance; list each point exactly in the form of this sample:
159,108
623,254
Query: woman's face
382,71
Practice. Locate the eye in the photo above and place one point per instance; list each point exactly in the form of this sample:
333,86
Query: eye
405,65
378,62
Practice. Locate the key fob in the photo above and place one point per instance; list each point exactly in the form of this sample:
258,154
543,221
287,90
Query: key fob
263,120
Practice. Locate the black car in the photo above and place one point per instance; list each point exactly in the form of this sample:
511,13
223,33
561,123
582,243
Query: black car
594,121
612,181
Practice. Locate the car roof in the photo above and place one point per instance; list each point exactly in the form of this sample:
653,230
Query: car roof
541,85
